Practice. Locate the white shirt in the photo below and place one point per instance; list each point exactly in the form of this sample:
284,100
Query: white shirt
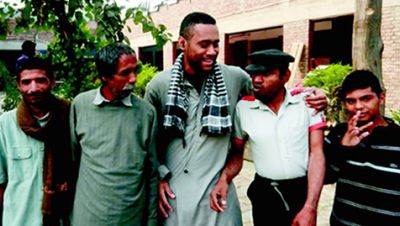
279,142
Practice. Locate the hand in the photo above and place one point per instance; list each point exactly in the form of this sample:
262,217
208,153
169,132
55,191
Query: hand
316,98
306,217
163,191
218,196
354,134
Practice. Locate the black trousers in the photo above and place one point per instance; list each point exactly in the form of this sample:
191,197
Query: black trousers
276,202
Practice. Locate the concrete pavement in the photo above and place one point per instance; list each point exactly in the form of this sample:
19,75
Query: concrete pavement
243,180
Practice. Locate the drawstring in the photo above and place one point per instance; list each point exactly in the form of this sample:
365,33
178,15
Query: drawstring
275,184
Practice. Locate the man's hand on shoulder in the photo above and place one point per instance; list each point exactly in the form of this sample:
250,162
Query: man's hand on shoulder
316,98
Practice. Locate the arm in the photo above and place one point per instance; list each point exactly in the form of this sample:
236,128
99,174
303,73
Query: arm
164,190
337,152
2,188
75,146
232,167
331,146
3,174
152,164
315,176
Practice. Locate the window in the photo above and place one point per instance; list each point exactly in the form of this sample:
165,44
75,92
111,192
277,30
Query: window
152,55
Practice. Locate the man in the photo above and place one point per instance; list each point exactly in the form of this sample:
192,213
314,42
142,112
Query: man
364,153
28,50
286,140
195,101
113,134
36,172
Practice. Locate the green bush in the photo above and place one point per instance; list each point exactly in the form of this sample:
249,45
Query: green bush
396,115
146,74
12,94
330,79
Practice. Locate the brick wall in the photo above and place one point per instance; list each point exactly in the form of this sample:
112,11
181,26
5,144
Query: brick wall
297,32
235,16
172,15
391,55
29,35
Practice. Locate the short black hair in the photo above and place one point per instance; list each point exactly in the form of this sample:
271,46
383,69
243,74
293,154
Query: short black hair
35,63
28,48
360,79
192,19
107,58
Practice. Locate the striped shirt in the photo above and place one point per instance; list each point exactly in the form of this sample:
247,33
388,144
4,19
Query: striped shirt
115,142
367,176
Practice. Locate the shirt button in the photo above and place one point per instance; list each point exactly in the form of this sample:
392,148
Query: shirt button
186,171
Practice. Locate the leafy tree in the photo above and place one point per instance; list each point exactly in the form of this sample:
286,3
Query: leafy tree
13,96
74,44
367,39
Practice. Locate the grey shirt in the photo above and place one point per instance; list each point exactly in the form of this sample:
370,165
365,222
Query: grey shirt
195,168
117,182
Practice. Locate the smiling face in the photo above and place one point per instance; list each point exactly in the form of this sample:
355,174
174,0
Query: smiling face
366,102
121,83
201,48
34,86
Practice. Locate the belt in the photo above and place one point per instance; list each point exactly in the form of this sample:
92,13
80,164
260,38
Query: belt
285,182
275,184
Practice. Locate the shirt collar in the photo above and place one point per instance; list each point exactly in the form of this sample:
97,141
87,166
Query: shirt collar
289,99
99,99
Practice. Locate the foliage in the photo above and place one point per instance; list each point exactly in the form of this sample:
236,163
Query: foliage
330,79
396,115
146,74
12,94
74,44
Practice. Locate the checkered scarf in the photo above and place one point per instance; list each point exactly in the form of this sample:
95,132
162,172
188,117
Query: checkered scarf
215,118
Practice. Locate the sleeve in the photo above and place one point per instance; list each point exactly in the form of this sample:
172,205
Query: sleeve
75,146
317,121
332,169
238,132
152,97
336,154
3,159
153,175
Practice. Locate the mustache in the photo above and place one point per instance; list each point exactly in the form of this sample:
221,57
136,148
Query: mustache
129,87
37,93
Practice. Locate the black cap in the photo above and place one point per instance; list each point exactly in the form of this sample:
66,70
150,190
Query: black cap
263,60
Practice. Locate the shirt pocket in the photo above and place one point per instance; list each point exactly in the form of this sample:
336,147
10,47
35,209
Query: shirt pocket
20,153
21,162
